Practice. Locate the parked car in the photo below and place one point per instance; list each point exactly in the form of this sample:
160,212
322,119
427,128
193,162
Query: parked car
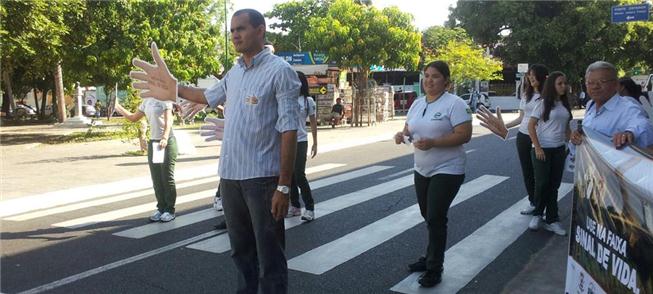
24,111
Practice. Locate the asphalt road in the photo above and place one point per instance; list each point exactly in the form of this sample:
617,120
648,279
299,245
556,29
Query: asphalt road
362,240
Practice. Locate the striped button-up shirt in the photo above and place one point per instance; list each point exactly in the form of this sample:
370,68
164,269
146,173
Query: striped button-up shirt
260,104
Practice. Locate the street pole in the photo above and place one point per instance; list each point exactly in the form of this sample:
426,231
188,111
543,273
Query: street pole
226,38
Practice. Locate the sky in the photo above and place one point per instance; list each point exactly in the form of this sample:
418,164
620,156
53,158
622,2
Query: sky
426,12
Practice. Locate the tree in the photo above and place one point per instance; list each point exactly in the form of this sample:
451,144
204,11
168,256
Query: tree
436,37
294,20
32,42
564,35
467,62
360,36
95,41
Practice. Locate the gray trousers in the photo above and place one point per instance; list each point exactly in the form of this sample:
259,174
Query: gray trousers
257,239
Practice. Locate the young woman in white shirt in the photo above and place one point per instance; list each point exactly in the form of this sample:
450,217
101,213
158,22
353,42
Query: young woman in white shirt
438,124
299,181
549,131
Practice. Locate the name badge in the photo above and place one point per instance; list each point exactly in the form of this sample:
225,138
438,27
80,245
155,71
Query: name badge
251,100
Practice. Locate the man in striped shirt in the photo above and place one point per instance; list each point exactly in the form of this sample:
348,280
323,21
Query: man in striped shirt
258,147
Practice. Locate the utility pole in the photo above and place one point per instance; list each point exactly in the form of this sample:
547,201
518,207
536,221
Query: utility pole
226,37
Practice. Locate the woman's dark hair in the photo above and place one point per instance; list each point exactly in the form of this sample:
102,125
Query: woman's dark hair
303,90
441,67
540,72
634,90
550,95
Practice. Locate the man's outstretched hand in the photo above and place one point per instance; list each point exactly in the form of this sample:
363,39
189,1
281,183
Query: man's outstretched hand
155,80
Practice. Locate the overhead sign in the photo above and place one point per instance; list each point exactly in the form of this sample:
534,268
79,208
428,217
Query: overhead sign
625,13
522,67
305,58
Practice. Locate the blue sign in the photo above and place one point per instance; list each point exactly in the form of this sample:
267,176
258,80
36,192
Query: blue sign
303,57
625,13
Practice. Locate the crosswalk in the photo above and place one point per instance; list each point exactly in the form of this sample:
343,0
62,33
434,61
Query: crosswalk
464,260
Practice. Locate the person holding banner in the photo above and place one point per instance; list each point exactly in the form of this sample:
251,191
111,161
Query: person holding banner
549,131
438,124
610,114
159,116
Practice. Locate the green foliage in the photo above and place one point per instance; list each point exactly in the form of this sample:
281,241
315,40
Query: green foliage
361,36
131,103
564,35
437,37
467,62
96,40
294,21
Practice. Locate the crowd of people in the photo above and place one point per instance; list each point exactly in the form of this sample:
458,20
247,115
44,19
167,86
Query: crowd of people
265,146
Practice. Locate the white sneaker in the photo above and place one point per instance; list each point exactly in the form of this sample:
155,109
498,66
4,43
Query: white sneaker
536,223
308,215
293,211
156,216
556,228
166,217
217,203
528,210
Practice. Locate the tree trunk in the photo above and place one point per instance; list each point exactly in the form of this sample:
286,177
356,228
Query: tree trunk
6,76
61,103
44,100
361,96
36,99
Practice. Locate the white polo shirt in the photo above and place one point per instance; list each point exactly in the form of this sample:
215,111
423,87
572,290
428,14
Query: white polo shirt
435,120
553,132
306,109
154,110
527,107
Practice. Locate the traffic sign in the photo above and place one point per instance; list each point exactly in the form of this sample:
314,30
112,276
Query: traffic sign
323,90
625,13
522,67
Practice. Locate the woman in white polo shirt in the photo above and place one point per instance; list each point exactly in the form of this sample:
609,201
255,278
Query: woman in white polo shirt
438,124
549,130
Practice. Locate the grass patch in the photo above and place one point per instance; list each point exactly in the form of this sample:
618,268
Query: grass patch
91,135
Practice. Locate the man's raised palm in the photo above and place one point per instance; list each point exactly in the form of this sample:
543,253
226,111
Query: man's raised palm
155,80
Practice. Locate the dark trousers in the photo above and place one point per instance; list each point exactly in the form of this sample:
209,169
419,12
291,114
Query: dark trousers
163,176
299,180
548,175
257,239
434,196
524,146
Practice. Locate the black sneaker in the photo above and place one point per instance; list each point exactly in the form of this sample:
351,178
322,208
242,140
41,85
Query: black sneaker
418,266
430,278
221,226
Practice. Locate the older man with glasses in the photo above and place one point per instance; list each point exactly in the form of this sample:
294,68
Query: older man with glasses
611,114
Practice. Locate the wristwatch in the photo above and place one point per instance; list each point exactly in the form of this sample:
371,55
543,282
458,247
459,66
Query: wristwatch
283,189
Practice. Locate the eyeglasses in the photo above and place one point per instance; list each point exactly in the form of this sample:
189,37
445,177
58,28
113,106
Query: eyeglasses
600,83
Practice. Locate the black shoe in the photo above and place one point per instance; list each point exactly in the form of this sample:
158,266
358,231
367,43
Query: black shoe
430,278
221,226
418,266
